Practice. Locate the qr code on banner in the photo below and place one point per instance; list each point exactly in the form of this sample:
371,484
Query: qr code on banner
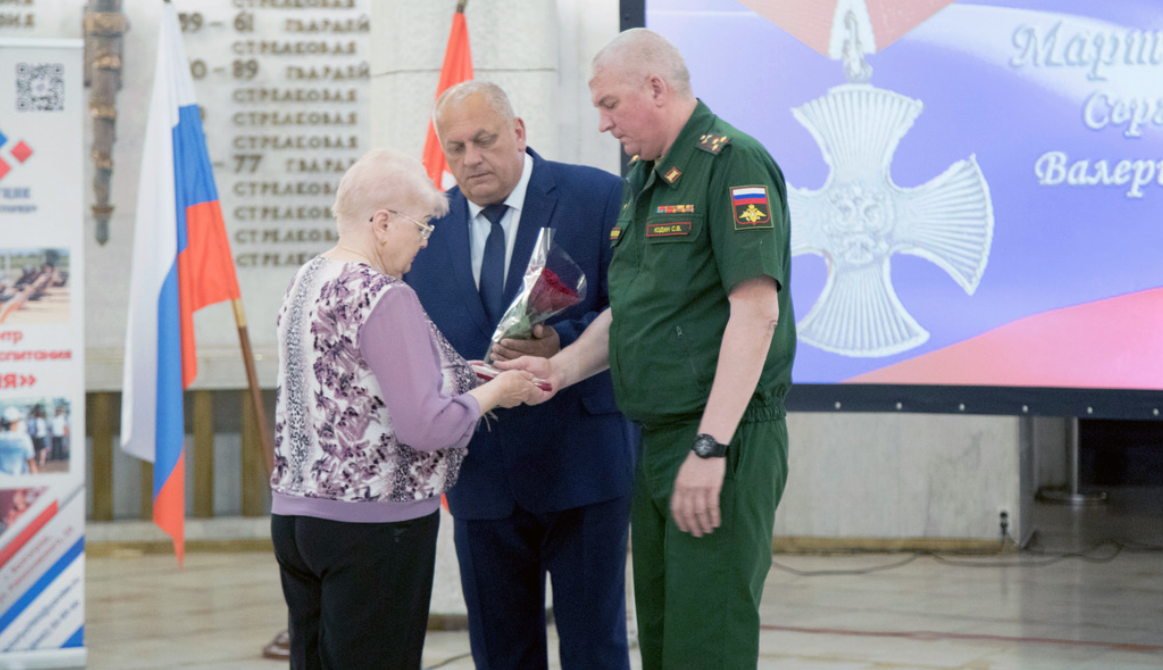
40,87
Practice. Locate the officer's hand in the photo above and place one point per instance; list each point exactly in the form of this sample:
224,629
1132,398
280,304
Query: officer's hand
695,502
545,343
543,372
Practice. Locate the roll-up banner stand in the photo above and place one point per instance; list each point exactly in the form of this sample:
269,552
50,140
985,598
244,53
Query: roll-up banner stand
42,355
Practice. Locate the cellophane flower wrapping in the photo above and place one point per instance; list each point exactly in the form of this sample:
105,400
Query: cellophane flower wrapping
553,283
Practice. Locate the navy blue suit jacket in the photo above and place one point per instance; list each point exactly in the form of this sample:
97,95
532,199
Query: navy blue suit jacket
576,449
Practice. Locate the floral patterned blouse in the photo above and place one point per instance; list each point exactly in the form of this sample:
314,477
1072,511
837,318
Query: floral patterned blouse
372,412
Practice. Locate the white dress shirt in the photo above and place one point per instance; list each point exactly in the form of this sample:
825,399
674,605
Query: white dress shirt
479,227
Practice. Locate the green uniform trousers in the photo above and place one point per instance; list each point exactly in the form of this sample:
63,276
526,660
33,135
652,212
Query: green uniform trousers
698,598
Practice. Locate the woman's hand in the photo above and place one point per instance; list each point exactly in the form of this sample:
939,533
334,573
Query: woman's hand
508,389
513,387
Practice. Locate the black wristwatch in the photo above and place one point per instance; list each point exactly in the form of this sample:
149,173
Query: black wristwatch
707,447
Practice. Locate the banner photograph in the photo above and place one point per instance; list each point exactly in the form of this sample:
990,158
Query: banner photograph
35,435
34,286
974,187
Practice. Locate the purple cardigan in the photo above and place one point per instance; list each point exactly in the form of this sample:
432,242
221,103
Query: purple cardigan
372,414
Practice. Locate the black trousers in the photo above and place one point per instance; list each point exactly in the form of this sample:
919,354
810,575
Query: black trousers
358,593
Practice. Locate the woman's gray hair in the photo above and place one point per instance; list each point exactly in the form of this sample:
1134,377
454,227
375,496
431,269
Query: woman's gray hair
642,53
384,179
494,95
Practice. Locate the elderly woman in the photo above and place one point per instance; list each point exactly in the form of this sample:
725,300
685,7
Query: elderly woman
374,410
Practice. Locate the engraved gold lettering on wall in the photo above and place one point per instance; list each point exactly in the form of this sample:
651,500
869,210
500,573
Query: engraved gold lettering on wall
284,88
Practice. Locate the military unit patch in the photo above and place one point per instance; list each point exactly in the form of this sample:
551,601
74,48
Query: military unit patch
752,210
676,209
672,175
713,143
668,229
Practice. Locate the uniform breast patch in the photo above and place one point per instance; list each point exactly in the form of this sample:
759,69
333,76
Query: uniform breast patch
752,209
669,229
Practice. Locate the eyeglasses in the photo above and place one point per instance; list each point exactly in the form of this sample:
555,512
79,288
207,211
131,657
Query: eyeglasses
426,229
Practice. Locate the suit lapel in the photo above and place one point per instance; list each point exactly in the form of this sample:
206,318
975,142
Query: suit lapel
456,244
540,201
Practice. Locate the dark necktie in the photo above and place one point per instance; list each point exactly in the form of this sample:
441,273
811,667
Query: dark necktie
493,264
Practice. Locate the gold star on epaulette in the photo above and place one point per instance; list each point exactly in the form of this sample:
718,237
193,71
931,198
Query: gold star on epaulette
712,143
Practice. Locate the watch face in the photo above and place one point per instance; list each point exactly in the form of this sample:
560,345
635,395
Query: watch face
707,447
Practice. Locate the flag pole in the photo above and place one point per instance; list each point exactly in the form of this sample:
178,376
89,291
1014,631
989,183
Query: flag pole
459,5
260,416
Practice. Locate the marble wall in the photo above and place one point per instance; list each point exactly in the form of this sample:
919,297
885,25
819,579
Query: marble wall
900,476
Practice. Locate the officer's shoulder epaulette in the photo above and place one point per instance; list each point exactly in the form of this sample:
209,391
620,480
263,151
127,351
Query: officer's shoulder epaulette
713,143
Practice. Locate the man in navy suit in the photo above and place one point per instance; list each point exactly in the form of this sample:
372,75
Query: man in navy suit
545,488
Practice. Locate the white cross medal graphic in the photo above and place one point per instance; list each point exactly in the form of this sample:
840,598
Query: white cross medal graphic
859,219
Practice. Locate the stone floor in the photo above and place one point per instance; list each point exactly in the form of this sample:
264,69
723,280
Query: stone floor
1100,609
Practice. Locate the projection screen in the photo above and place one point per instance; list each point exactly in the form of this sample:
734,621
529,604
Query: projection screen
976,192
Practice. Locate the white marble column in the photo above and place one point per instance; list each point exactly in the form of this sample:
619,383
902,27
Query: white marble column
513,43
538,51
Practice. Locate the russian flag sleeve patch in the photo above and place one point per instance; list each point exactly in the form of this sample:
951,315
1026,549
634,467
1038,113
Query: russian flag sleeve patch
751,207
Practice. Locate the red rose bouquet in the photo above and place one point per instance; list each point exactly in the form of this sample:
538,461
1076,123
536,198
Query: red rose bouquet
553,283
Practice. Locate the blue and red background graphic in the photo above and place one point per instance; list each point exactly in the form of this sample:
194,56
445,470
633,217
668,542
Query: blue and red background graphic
1072,295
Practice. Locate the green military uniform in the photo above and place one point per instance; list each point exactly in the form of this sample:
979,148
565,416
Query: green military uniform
706,217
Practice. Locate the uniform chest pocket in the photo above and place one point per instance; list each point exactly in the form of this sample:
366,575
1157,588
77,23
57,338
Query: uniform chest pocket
673,228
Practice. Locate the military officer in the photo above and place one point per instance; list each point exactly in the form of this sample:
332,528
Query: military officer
700,338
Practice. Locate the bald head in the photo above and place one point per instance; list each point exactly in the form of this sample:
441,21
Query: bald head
483,141
642,90
638,53
491,95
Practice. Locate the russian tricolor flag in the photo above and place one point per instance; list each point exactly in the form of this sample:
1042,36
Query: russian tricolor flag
749,196
456,69
181,263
